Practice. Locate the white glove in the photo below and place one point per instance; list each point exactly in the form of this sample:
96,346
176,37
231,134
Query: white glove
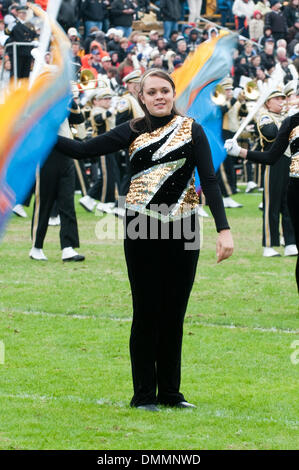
232,147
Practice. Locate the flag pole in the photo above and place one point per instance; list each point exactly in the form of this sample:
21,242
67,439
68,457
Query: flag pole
45,36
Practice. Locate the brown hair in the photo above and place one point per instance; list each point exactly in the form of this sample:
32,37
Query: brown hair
136,124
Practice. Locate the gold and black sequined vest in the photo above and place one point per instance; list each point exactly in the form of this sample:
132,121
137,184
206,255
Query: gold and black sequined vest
162,169
294,146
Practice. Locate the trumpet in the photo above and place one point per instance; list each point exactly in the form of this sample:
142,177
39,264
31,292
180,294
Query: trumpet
219,96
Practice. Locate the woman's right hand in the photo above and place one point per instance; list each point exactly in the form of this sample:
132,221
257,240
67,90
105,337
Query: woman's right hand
232,147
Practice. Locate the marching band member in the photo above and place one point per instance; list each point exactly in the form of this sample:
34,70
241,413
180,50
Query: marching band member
55,181
105,189
230,124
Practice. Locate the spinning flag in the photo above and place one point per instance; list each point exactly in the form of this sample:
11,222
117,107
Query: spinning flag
195,83
29,120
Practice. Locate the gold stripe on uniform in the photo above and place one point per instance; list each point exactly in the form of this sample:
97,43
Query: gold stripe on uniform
80,177
266,208
104,178
37,204
224,179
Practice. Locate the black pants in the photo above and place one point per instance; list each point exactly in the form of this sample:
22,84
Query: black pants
226,176
293,204
161,274
276,180
55,182
105,188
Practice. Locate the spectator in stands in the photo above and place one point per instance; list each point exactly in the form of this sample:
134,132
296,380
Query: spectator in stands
73,34
144,5
114,43
122,14
261,75
243,11
170,11
87,61
172,40
255,64
6,71
256,26
267,55
3,36
110,35
76,60
186,30
296,53
241,68
225,9
106,64
248,53
267,35
124,44
162,45
212,33
156,61
182,50
133,38
129,64
281,54
276,21
4,5
93,14
153,38
168,60
291,12
101,39
293,36
204,35
91,37
143,48
193,40
67,15
114,59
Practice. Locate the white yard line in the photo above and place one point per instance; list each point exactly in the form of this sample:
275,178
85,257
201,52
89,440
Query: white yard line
212,413
129,319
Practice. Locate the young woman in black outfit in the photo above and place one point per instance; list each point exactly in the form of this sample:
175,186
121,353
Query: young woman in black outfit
161,231
288,134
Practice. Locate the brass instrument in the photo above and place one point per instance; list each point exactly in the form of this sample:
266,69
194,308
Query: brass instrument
219,96
251,91
87,80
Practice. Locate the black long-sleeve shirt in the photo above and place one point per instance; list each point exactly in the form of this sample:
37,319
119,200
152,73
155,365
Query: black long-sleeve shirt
278,148
122,136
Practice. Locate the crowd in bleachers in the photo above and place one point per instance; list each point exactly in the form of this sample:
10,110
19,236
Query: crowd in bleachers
104,41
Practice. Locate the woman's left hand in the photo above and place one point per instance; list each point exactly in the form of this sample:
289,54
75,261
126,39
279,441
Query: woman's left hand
224,245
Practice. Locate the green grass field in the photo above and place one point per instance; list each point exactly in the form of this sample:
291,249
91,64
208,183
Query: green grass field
65,381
